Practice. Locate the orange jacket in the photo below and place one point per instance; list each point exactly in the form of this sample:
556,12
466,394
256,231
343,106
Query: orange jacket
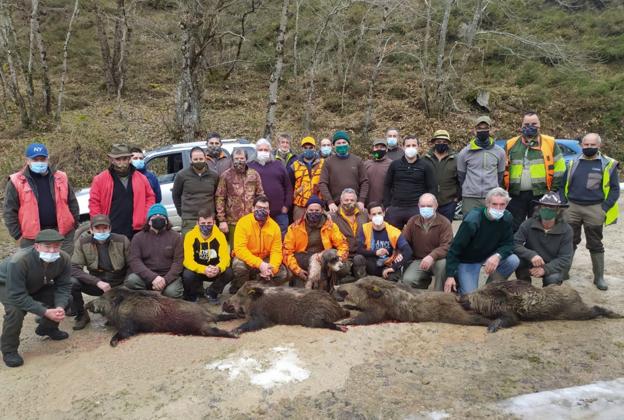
28,213
252,243
296,240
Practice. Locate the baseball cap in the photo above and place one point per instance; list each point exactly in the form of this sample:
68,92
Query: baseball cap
308,140
36,149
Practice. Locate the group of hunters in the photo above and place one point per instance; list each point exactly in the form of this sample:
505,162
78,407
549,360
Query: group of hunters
265,219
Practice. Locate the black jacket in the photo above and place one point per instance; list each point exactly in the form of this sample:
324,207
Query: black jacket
406,182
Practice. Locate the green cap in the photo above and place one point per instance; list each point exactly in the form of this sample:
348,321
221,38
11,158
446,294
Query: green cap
49,235
100,219
341,134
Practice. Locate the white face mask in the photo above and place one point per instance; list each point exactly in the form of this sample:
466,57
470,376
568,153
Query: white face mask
263,156
411,152
49,257
377,220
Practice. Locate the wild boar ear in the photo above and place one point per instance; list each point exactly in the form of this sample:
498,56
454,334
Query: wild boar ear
255,292
374,292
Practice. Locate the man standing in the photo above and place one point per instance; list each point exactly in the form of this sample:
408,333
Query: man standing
37,280
105,255
480,166
445,169
326,148
122,193
407,179
349,219
376,170
536,166
592,188
275,183
484,238
311,234
39,197
156,256
257,248
206,258
216,158
283,154
194,189
343,170
430,235
395,151
544,243
384,247
138,161
305,173
237,189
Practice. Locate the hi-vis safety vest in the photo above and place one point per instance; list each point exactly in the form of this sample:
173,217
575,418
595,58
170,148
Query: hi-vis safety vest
540,171
306,182
607,165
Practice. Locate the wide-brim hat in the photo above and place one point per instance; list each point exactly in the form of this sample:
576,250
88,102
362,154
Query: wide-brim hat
441,134
551,199
119,150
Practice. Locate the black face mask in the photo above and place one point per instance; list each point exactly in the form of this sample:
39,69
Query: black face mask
441,147
159,223
483,138
590,151
378,154
199,166
314,218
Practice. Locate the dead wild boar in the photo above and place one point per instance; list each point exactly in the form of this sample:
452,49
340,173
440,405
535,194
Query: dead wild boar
265,306
139,311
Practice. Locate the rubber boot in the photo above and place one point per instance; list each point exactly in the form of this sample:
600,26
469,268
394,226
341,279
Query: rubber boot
81,321
597,260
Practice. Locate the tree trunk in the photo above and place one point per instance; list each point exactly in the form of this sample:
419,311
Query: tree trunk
113,62
59,107
269,127
255,4
45,71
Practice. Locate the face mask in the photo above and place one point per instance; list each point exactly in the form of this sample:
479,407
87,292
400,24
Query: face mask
529,132
314,218
342,150
49,257
309,154
263,157
590,151
378,154
426,212
199,166
205,229
392,142
377,220
326,151
261,215
547,214
483,137
239,166
411,152
441,147
495,213
213,151
101,236
138,163
39,167
348,208
159,223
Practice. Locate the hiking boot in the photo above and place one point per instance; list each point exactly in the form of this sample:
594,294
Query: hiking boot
212,296
81,321
597,260
54,333
12,359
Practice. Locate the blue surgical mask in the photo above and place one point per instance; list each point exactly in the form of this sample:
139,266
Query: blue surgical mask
101,236
49,257
495,213
326,151
426,212
392,142
309,154
39,167
138,163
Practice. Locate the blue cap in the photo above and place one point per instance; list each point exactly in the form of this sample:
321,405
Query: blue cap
314,199
36,149
157,209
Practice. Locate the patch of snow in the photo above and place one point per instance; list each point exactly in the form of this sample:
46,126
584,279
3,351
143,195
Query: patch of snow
600,400
280,369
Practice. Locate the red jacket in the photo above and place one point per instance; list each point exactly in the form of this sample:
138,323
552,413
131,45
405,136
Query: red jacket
28,213
101,196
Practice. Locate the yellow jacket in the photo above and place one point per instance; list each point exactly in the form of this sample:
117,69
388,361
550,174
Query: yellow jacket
296,240
199,253
253,244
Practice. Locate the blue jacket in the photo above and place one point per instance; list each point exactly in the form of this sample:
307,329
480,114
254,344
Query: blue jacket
153,180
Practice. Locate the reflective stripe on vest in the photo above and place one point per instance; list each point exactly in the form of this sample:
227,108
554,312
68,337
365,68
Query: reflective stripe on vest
541,170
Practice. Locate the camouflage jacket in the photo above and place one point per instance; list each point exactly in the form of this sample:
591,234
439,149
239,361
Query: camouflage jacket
235,194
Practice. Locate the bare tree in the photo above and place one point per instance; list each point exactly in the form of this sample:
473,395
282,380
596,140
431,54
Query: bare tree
59,106
253,7
113,62
35,34
269,127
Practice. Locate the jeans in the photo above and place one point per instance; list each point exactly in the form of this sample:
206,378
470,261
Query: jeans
448,210
468,273
282,221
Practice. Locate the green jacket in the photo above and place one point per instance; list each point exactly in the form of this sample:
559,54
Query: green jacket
86,255
24,274
192,192
447,182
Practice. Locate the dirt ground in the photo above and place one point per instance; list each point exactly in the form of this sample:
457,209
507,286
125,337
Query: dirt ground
413,371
